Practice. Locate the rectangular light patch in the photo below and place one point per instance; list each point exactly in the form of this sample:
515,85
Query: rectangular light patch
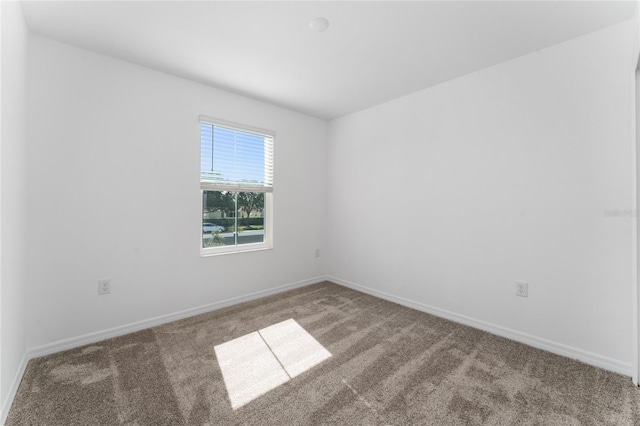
296,349
249,369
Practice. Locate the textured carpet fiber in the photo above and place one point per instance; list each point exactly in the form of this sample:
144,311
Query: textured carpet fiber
390,365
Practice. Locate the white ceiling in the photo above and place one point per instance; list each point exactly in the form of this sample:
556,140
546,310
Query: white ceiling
372,52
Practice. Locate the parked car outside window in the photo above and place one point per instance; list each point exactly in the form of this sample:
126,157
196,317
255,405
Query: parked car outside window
211,227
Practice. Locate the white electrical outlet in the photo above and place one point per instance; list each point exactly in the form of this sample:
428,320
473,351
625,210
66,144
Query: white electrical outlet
104,286
522,289
317,252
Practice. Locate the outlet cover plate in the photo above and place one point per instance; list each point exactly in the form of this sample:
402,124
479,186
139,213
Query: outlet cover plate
522,289
104,287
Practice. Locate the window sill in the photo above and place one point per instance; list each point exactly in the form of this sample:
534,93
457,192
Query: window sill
209,252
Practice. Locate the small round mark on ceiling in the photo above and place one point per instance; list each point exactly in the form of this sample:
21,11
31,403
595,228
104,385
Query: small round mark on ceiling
319,24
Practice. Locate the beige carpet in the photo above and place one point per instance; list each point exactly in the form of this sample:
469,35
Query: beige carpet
389,365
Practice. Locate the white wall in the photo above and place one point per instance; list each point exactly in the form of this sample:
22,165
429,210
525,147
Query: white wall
114,157
13,137
447,196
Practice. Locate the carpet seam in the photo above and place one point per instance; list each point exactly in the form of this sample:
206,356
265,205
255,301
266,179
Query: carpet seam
274,355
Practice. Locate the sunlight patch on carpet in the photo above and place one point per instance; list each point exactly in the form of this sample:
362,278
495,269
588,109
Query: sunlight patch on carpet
296,349
249,368
258,362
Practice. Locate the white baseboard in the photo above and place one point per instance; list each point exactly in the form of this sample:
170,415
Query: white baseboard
97,336
6,404
537,342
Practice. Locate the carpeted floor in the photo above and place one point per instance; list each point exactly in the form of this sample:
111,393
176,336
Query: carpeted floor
390,365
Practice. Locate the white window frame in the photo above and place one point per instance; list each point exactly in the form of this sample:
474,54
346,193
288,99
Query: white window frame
267,244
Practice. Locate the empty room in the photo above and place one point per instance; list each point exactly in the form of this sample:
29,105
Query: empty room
319,212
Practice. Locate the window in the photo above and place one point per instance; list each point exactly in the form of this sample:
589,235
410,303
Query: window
236,182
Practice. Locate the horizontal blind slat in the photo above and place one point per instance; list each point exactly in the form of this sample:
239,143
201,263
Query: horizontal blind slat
233,158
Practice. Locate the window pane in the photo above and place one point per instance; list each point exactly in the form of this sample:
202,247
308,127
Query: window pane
250,217
232,218
218,218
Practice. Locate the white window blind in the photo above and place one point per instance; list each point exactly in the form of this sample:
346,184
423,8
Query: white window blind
235,158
